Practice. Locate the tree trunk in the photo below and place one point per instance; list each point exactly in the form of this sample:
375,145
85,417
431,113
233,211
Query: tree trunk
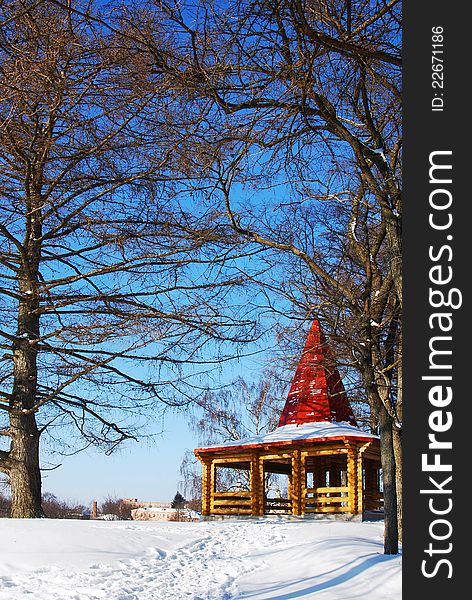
398,452
25,475
387,458
397,435
389,480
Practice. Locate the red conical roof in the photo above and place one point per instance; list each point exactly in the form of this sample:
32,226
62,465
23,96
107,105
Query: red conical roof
317,392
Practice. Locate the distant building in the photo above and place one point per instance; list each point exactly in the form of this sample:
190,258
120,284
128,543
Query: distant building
164,513
132,503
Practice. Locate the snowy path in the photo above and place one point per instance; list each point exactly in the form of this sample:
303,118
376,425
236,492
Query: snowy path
228,560
201,570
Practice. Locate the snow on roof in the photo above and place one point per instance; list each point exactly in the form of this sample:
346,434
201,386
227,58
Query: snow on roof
318,431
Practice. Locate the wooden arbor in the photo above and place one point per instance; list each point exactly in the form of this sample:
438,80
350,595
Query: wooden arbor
331,466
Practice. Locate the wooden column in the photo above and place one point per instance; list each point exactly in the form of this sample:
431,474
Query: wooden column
360,486
360,489
290,487
212,485
371,476
206,488
257,486
352,480
302,483
320,472
296,483
334,475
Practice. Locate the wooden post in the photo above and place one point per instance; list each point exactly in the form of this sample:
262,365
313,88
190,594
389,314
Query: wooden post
334,475
360,486
212,485
296,483
261,488
371,476
257,486
320,473
93,514
302,484
290,488
206,488
352,477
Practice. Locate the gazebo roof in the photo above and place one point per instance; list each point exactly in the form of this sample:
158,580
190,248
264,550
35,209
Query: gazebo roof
317,408
317,393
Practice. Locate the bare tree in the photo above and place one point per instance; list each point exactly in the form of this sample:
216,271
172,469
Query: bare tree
115,506
110,286
335,265
307,92
297,99
54,508
239,410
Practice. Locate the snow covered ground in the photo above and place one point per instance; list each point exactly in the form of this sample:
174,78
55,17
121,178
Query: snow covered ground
256,560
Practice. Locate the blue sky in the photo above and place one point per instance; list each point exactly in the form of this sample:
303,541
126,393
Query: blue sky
148,469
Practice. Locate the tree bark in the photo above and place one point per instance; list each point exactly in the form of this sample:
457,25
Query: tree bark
398,452
389,480
397,436
387,458
25,475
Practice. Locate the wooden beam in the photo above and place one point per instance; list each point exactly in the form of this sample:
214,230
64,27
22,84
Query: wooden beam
206,490
228,456
326,490
231,511
325,452
360,490
212,485
360,483
320,474
327,500
243,494
231,502
296,496
233,460
328,509
352,478
257,487
302,485
334,475
282,455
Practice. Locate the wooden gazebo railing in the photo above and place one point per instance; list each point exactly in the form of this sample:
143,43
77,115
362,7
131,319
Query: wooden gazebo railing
327,499
231,503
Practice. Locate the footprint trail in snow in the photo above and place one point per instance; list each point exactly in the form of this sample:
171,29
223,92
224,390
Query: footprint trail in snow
206,569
